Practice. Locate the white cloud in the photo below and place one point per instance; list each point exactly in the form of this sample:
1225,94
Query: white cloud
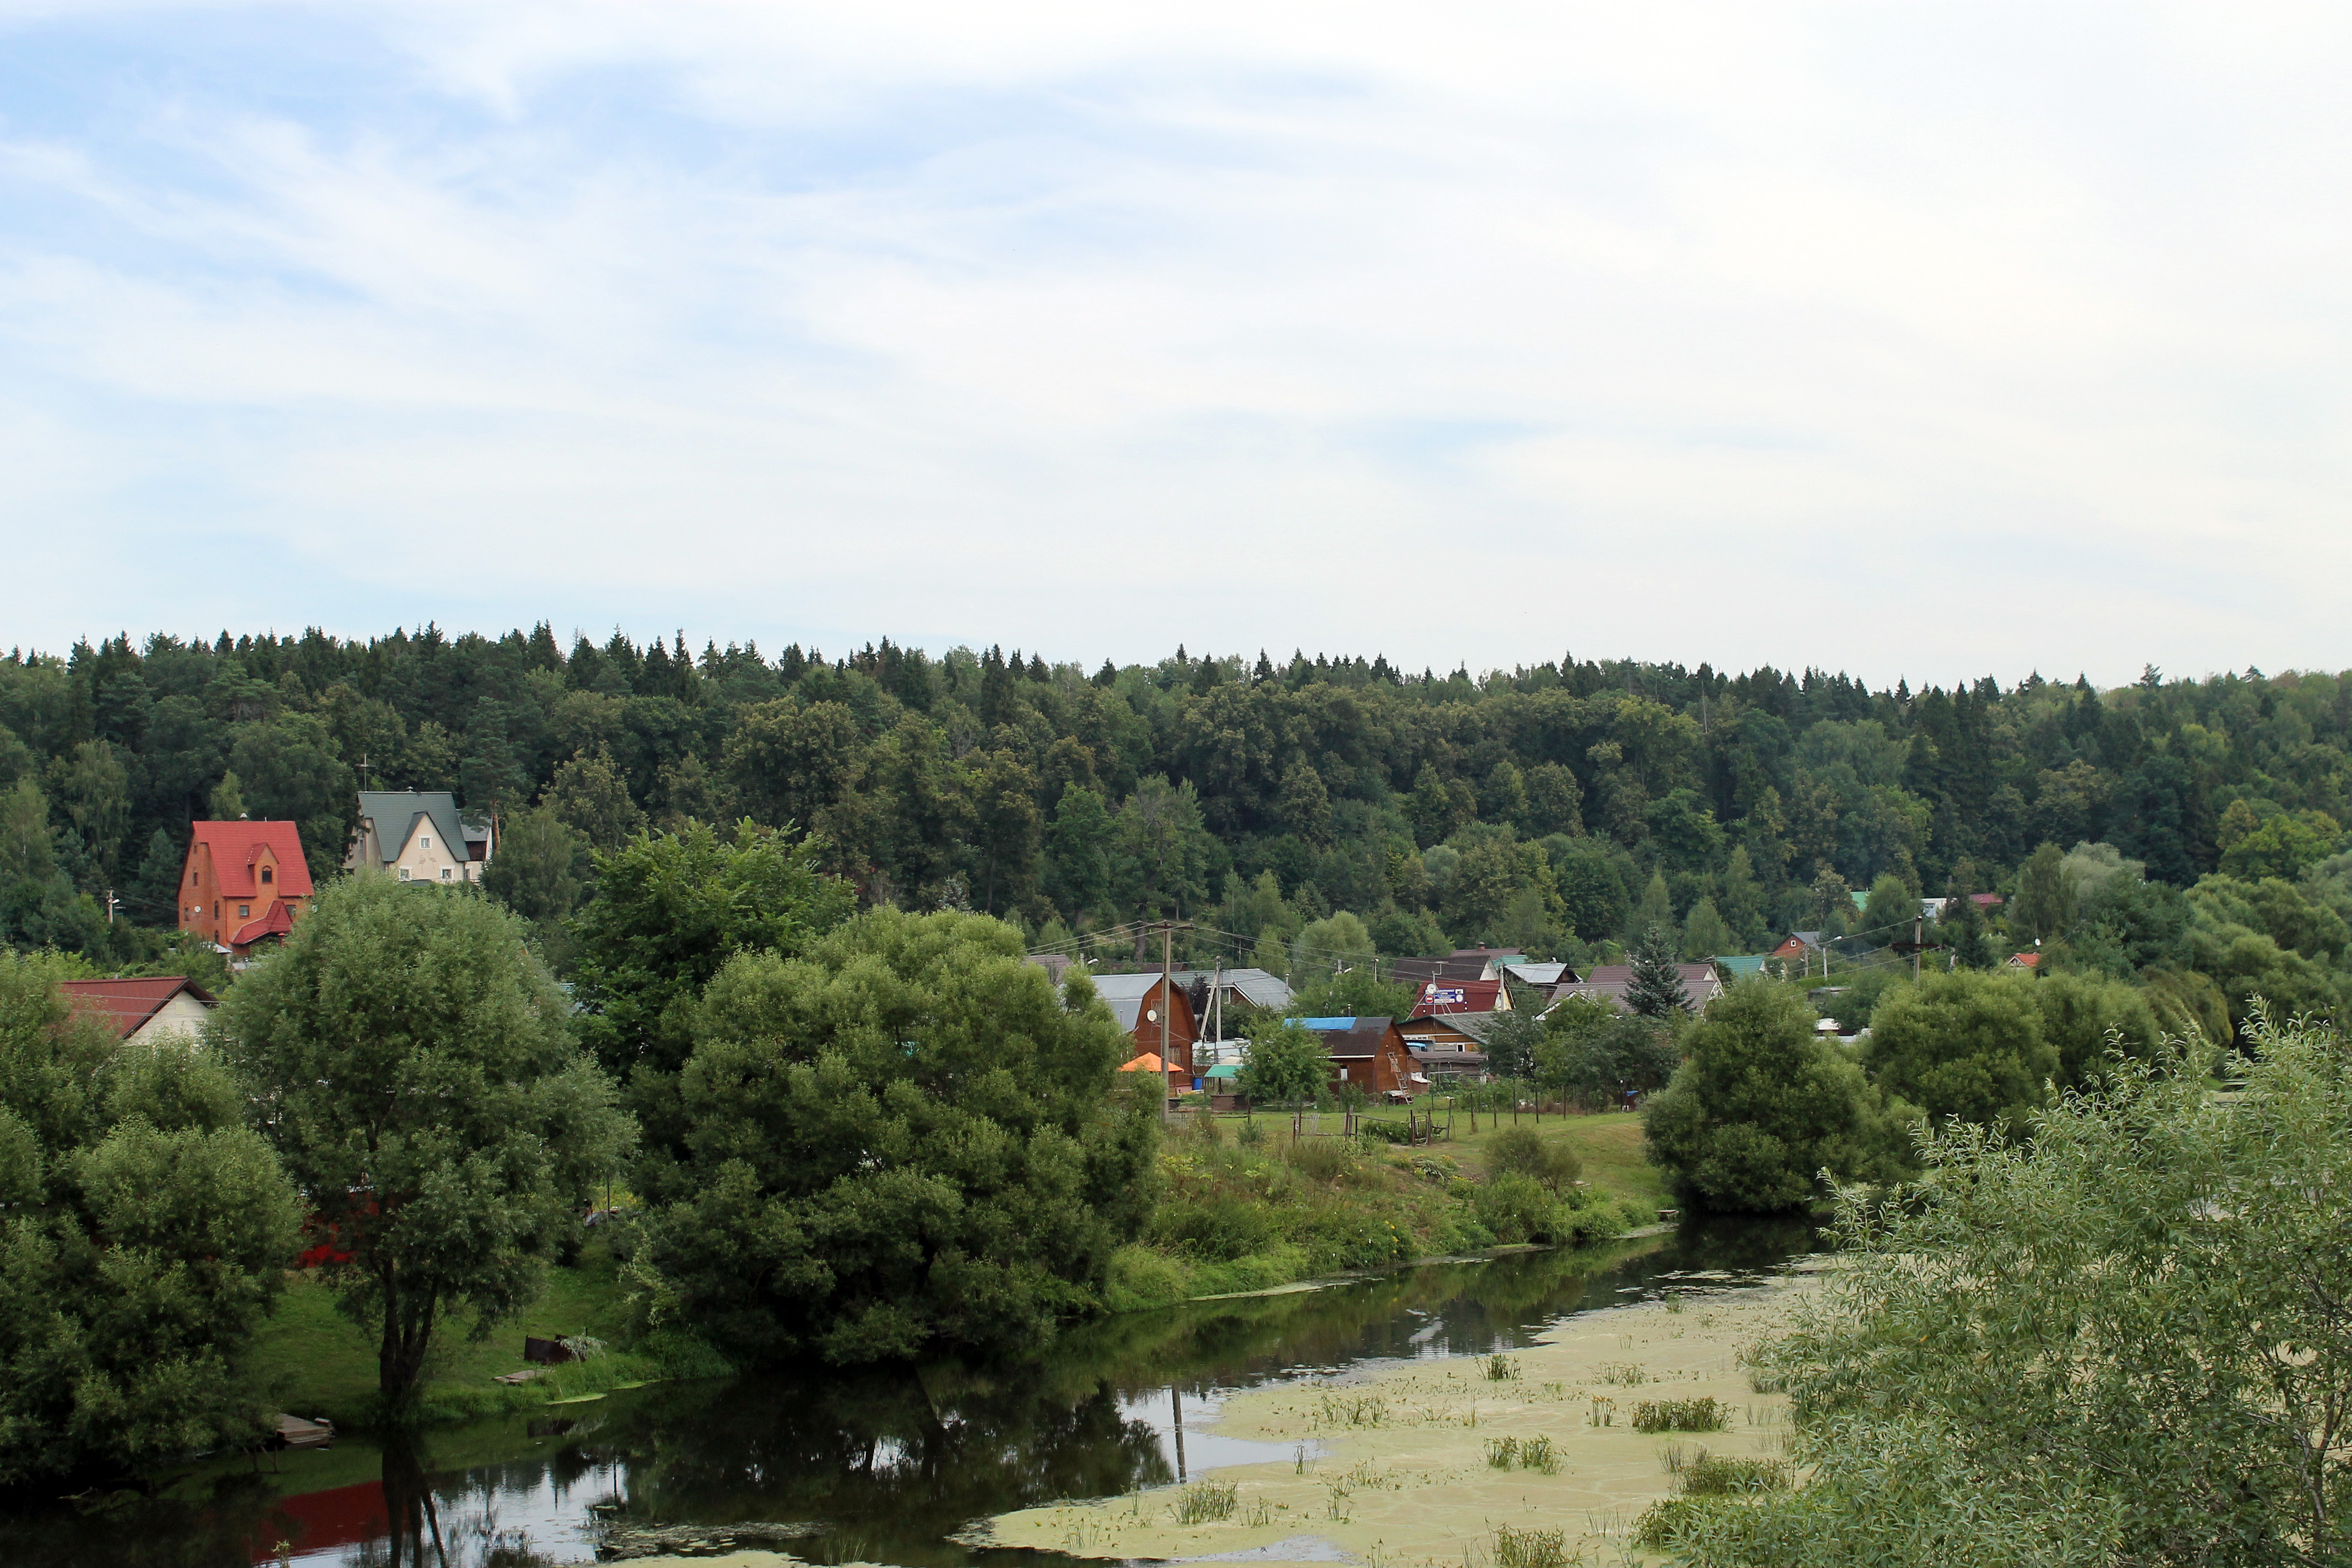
1922,340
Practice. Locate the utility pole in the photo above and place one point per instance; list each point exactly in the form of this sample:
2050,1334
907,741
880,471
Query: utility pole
1919,929
1167,930
110,906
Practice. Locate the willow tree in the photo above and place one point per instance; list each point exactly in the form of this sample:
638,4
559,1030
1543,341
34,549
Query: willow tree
418,1075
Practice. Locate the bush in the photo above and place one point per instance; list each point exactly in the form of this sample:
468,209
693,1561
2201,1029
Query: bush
2156,1279
1519,1152
1964,1044
1719,1475
1514,1209
1762,1105
1217,1228
1324,1159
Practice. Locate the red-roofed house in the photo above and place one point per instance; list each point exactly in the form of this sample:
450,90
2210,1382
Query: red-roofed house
244,882
145,1009
1462,996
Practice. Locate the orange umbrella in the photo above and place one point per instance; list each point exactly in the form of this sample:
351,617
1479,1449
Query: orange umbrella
1148,1062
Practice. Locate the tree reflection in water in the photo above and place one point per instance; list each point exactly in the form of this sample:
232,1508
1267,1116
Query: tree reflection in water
887,1463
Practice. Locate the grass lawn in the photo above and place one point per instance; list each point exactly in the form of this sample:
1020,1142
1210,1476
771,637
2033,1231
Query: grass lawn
1609,1142
319,1363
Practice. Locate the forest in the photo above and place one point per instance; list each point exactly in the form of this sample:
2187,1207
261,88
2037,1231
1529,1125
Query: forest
2185,828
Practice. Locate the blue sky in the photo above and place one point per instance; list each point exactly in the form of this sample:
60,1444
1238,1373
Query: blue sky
1923,340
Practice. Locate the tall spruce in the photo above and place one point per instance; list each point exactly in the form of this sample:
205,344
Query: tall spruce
1657,988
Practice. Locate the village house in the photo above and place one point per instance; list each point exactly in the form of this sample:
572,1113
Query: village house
1463,997
418,836
243,883
1450,1047
145,1010
1798,951
1372,1053
1610,982
1143,1004
1462,963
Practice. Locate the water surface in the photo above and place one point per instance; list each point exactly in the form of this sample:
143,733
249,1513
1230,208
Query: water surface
878,1465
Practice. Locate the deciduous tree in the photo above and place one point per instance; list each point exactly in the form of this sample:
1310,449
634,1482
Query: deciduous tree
418,1075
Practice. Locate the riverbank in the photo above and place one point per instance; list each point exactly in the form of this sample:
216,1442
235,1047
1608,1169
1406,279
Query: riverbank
1240,1212
314,1360
1399,1467
1246,1205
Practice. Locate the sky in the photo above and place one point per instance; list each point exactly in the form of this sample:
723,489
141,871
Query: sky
1922,340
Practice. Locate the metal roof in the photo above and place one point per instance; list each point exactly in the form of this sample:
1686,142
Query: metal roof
396,813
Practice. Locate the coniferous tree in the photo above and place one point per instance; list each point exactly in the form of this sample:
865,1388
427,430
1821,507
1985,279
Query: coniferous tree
1657,985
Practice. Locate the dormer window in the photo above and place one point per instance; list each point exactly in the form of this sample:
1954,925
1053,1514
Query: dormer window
269,875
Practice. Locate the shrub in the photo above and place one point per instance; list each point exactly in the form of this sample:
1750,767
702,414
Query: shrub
1761,1105
1719,1475
1324,1159
1681,1415
1217,1228
1518,1152
1514,1209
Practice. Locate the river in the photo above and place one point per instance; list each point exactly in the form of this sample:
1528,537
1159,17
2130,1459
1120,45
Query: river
876,1466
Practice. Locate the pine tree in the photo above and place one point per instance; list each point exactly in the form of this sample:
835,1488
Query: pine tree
1657,986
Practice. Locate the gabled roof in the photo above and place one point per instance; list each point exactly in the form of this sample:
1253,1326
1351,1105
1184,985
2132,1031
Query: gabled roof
1540,973
127,1003
236,845
1804,939
1610,982
274,921
1736,964
396,813
1459,996
1350,1037
1258,986
1125,994
1473,1025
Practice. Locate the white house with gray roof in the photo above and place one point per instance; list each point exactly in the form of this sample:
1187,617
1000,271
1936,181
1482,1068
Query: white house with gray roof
418,836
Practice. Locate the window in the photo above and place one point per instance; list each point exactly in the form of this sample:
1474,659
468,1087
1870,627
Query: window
269,875
444,873
403,873
425,842
245,911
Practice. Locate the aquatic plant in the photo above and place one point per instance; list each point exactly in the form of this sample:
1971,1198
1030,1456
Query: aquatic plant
1205,1502
1532,1548
1681,1415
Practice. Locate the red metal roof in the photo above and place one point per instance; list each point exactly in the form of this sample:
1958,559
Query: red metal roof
275,920
236,845
127,1002
1458,996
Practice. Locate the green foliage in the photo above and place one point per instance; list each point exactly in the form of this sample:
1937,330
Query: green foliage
1657,985
669,911
1965,1044
1761,1105
2122,1340
1681,1415
1286,1064
143,1233
2085,1018
1522,1151
1595,1054
418,1076
901,1139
